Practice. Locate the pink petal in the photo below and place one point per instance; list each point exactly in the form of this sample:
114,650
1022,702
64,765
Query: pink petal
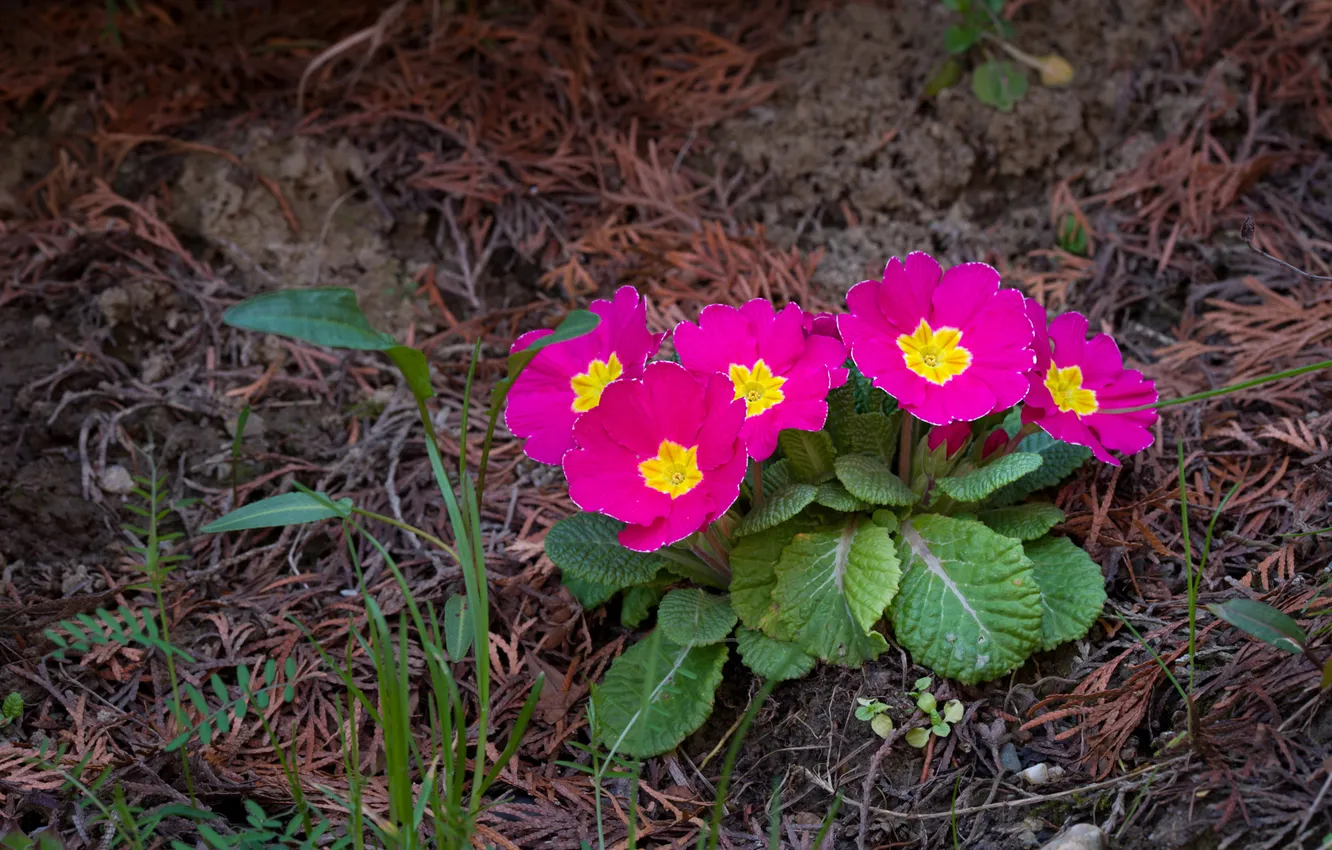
524,340
671,397
967,397
963,292
1040,342
625,417
1070,429
1068,332
862,302
722,337
955,435
688,514
546,420
722,416
782,343
997,440
904,295
1119,432
603,477
1101,362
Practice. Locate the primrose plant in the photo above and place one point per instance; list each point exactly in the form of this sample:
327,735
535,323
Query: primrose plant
798,485
982,35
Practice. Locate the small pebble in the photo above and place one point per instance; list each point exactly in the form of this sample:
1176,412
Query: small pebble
1081,836
41,323
1039,774
116,479
1008,757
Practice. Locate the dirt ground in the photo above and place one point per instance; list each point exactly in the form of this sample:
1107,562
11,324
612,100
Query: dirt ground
474,175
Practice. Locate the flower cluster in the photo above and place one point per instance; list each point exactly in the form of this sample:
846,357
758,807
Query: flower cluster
663,447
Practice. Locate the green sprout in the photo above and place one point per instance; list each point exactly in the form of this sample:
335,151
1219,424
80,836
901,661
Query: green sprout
11,709
1071,236
995,80
940,723
876,714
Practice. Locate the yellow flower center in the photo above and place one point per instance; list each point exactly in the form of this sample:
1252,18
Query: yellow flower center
674,471
937,356
1065,386
587,387
757,386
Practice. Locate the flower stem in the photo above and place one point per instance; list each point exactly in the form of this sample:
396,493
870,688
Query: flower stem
1233,388
424,535
697,566
756,481
904,449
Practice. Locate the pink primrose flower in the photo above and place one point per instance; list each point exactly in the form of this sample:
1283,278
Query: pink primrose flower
955,434
825,324
949,346
566,379
1075,379
662,453
782,371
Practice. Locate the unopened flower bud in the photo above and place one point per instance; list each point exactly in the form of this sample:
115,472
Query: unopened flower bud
1055,70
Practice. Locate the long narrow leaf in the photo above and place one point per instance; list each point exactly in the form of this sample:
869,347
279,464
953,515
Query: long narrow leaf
286,509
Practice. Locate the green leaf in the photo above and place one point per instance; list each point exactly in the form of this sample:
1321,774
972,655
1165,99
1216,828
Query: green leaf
777,508
833,585
873,434
694,617
753,575
322,316
1262,621
999,83
1072,589
969,607
590,594
458,630
979,483
959,39
1029,521
778,660
412,364
777,475
287,509
638,601
833,494
1059,460
585,546
870,480
577,323
810,454
918,737
679,699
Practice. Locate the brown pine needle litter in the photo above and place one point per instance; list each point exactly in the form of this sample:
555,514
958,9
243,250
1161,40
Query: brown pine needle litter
519,159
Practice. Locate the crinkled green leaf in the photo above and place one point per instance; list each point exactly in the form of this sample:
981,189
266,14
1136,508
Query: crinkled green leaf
1072,589
323,316
1029,521
639,600
833,494
969,607
810,454
873,434
979,483
870,480
1263,622
833,585
683,684
753,575
777,475
286,509
693,617
1059,460
590,594
585,546
777,508
772,659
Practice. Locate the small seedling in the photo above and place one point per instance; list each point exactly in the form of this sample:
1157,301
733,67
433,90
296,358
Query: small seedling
1072,236
995,80
11,710
876,714
940,723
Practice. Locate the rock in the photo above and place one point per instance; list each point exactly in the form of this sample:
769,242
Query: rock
116,479
1081,836
1008,757
1040,774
